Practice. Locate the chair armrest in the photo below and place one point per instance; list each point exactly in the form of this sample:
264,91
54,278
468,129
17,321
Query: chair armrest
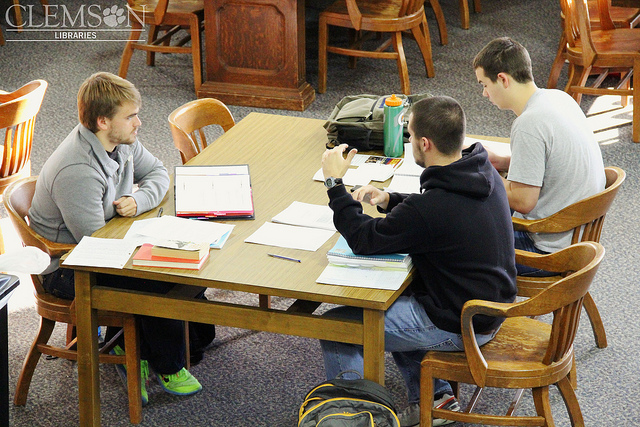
477,363
354,14
530,225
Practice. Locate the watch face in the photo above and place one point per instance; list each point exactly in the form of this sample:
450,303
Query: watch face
329,182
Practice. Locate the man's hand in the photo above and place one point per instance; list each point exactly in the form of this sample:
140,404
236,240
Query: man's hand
126,206
372,195
333,162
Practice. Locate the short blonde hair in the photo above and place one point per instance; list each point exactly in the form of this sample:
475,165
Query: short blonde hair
100,96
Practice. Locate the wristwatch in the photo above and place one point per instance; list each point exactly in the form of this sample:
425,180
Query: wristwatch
332,182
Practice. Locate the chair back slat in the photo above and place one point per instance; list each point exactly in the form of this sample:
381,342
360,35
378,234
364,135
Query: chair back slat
18,111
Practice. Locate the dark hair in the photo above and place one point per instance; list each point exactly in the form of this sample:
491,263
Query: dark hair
504,55
440,119
100,95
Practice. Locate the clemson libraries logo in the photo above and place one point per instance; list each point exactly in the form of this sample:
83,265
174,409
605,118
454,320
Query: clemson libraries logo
86,22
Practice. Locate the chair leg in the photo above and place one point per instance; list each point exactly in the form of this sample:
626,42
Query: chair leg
195,51
542,404
18,13
421,34
153,35
132,356
402,63
636,100
464,13
571,401
477,8
596,321
426,397
322,54
577,78
558,63
355,41
136,28
30,362
442,24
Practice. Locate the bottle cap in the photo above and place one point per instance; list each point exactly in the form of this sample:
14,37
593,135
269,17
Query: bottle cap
393,101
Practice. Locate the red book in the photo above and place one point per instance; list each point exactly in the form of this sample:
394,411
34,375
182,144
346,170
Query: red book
143,258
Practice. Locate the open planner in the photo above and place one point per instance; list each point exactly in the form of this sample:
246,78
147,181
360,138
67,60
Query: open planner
216,191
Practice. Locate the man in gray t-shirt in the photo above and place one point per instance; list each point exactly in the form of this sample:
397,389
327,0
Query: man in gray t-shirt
555,159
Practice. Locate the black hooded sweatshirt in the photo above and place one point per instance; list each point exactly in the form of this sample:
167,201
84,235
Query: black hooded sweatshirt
458,232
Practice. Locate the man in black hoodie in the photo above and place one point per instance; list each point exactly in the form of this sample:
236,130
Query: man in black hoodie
458,232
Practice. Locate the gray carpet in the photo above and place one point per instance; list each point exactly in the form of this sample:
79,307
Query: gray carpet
259,379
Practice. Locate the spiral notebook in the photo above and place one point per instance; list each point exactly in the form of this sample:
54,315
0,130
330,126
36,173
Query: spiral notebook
213,192
342,255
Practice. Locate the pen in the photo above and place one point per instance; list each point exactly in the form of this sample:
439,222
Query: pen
160,212
284,257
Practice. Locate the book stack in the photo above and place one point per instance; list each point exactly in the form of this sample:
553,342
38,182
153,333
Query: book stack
387,271
342,255
190,256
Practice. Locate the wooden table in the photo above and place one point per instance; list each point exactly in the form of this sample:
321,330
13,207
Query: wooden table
283,154
255,54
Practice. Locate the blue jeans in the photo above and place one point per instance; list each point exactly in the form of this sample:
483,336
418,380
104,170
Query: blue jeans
524,242
408,335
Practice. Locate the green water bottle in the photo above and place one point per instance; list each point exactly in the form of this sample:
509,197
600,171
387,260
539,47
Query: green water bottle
393,117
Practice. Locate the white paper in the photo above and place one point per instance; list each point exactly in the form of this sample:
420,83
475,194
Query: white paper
499,148
376,172
409,166
168,227
98,252
307,215
356,177
405,184
213,193
290,236
375,278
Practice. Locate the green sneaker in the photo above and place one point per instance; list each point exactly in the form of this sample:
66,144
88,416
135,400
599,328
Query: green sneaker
182,383
144,374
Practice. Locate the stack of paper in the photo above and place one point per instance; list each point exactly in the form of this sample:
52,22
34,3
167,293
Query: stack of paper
301,226
345,268
341,254
367,168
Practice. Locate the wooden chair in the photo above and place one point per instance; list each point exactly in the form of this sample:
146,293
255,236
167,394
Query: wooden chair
621,17
525,353
17,201
18,111
377,16
612,50
464,11
169,17
585,218
187,123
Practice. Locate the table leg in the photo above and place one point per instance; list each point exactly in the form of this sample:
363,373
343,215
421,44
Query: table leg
4,362
373,348
87,329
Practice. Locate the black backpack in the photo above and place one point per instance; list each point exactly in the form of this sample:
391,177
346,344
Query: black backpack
348,403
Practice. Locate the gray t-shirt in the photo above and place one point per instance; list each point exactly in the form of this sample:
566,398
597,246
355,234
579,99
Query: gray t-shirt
553,147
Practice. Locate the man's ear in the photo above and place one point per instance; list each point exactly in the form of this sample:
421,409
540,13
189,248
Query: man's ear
503,79
102,123
425,144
